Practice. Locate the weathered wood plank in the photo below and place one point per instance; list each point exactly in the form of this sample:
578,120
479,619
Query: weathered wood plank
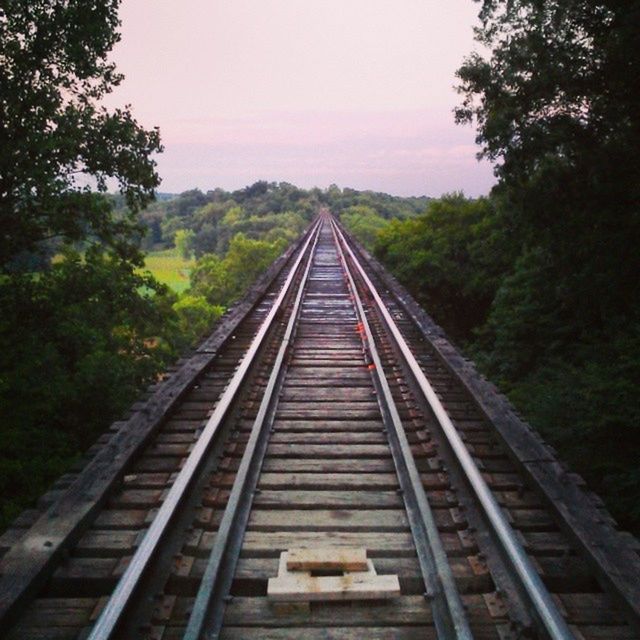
353,382
406,610
382,543
303,371
330,520
320,465
316,362
137,498
272,543
328,633
329,451
50,612
326,588
345,558
332,437
122,518
153,463
335,481
545,542
334,344
343,499
328,481
302,411
327,425
97,543
324,354
146,480
86,570
328,499
328,394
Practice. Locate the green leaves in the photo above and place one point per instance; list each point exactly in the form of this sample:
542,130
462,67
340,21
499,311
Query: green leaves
452,258
195,317
554,105
81,331
555,100
77,343
222,280
58,139
364,223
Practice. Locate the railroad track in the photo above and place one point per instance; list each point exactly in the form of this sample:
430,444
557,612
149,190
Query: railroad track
326,411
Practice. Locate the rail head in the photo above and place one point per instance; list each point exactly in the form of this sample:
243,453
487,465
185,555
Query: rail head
543,607
450,617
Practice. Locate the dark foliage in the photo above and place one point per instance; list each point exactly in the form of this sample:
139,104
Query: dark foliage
541,283
74,352
56,137
78,338
453,258
557,104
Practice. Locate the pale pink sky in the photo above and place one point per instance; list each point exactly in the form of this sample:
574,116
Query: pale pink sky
313,92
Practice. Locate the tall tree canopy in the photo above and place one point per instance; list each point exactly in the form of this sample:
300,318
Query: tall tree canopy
556,103
57,140
555,100
540,281
81,329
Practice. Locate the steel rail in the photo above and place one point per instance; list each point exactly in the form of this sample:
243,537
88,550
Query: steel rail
117,604
207,614
449,615
544,609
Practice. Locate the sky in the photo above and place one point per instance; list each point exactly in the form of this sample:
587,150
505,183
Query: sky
357,93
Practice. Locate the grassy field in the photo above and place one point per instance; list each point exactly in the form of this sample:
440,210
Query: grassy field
170,268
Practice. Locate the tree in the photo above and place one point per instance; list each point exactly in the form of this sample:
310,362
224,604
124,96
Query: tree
247,259
184,242
195,317
81,334
556,103
453,258
220,281
210,280
76,346
57,139
364,223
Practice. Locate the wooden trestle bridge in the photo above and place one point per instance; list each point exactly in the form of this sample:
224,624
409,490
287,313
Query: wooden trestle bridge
325,465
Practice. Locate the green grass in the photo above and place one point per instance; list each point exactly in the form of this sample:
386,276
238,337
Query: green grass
170,268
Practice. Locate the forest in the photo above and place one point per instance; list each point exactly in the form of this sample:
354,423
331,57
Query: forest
537,281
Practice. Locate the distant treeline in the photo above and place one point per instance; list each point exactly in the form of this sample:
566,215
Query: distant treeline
205,222
234,236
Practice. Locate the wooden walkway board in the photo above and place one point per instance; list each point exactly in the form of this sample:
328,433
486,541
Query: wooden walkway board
341,558
359,580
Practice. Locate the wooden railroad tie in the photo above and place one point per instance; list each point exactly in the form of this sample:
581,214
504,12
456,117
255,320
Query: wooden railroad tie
329,574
